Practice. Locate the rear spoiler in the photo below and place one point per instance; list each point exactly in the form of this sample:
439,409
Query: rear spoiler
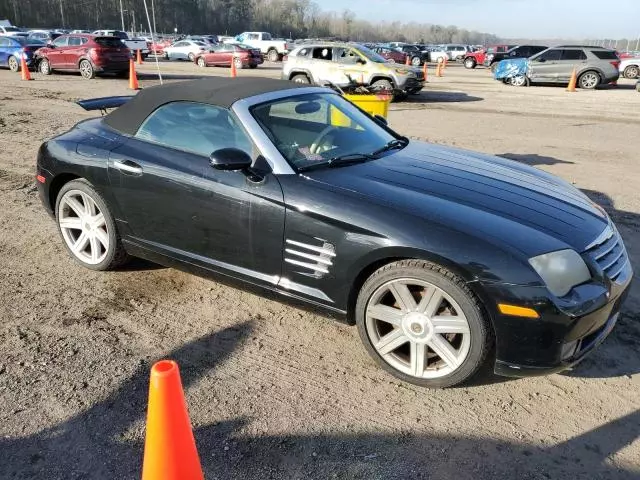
104,103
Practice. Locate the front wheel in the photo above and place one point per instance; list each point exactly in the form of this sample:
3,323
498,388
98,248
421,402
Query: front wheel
300,78
470,63
422,324
44,67
191,57
416,61
201,62
14,65
86,69
519,81
87,227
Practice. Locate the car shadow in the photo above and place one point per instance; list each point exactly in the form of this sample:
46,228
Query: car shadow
104,442
169,76
433,96
533,159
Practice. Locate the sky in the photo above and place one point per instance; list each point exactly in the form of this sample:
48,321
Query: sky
580,19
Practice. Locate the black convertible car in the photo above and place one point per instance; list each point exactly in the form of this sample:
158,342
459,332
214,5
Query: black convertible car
445,259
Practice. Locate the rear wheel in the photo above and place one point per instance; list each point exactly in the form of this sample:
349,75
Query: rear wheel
87,227
589,80
44,67
86,69
632,71
201,62
14,65
238,63
519,81
470,63
191,57
422,324
382,84
273,55
416,61
300,78
253,65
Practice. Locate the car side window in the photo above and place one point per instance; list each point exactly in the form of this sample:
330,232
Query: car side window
5,42
303,53
322,53
75,41
573,55
84,40
551,55
348,57
194,127
61,41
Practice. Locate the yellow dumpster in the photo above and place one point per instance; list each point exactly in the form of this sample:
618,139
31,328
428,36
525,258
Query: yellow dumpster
372,104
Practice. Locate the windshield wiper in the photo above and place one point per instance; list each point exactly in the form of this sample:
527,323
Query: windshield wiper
395,144
348,159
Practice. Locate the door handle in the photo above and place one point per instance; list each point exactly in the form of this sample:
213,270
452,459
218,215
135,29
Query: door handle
128,166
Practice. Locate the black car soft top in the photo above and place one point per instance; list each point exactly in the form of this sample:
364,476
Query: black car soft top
219,91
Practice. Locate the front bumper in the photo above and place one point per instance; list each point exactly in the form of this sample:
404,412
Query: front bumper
566,332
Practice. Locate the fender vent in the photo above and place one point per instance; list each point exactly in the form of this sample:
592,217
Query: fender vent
314,260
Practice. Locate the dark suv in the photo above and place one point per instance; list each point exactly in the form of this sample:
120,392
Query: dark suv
417,57
521,51
87,54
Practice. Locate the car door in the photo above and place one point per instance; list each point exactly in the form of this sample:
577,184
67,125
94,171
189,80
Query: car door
174,50
544,66
71,53
56,54
174,202
323,69
225,54
570,59
350,65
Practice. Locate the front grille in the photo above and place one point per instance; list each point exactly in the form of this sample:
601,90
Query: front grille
609,253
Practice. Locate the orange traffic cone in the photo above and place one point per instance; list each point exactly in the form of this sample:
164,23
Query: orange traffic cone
407,60
133,78
425,71
24,70
573,81
169,450
234,71
439,68
139,57
444,64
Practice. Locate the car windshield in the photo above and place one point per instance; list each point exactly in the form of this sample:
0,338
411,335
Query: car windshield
321,130
11,29
28,41
243,46
200,44
111,42
371,55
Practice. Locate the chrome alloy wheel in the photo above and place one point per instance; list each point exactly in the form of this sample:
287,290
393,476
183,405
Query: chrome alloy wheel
417,328
83,227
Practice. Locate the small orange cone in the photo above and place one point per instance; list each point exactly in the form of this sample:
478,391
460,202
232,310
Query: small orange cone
139,57
425,71
444,65
234,71
407,60
439,68
573,81
169,450
133,78
24,70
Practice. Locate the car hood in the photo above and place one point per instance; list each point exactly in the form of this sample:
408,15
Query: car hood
520,206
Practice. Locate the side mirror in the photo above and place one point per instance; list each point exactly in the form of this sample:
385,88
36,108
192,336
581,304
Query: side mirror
361,61
380,119
541,60
230,159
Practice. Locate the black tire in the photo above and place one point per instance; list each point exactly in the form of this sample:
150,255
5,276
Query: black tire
44,67
273,55
382,84
589,80
470,63
300,78
481,332
253,65
86,69
201,62
632,71
14,64
191,57
416,61
116,256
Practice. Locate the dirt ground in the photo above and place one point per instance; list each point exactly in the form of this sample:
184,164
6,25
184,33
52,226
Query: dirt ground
277,392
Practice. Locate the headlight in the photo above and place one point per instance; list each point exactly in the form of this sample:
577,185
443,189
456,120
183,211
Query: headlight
561,270
404,72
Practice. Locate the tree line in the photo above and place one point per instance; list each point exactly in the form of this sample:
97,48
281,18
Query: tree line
283,18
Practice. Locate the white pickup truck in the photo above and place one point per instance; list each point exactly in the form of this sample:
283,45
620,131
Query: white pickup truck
132,44
273,49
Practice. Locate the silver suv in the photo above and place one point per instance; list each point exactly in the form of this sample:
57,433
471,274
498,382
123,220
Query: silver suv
344,63
594,65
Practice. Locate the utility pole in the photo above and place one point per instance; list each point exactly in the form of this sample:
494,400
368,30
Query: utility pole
122,15
62,14
133,27
638,44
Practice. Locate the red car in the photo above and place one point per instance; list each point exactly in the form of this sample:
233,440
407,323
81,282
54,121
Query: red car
473,59
85,53
223,54
393,56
